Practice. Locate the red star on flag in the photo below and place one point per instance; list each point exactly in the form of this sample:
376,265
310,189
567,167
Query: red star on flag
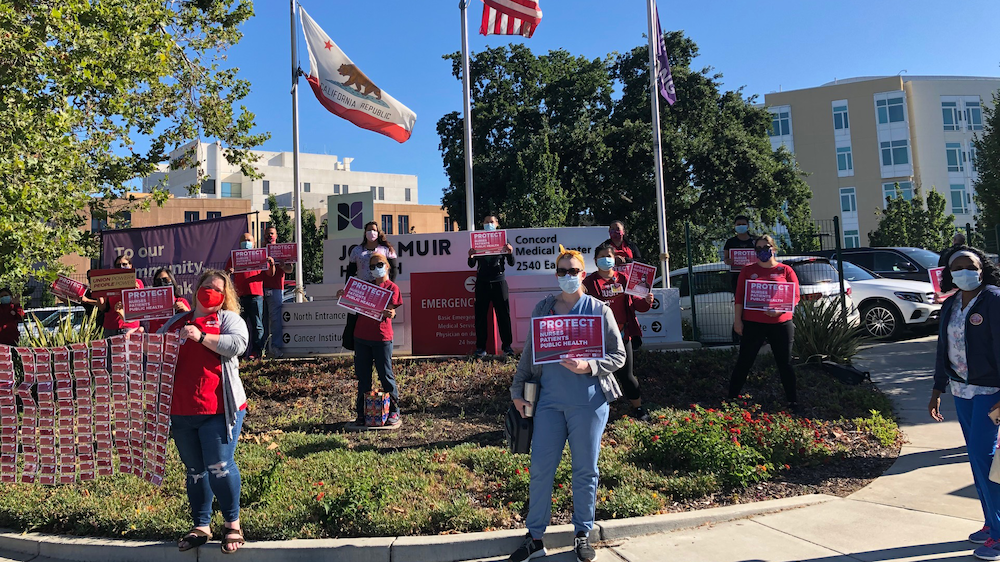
329,45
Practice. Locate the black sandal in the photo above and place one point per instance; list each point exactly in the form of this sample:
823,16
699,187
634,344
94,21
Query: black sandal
194,539
227,539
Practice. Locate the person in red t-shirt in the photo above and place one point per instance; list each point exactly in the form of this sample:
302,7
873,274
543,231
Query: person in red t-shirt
755,326
250,287
274,292
373,345
625,250
608,285
11,314
114,310
163,278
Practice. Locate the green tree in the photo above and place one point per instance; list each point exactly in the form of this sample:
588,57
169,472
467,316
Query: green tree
281,221
95,95
910,223
987,187
313,235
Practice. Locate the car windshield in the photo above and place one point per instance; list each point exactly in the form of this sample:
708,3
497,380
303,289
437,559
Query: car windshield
815,272
926,258
853,272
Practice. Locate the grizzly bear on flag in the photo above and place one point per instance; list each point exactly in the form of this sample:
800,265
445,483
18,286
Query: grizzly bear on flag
358,79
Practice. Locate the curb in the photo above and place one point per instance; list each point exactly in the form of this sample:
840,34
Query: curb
432,548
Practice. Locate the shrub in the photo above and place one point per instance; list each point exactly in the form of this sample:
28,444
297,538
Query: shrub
821,333
64,334
881,428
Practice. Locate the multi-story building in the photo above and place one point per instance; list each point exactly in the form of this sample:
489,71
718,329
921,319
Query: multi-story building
857,138
321,175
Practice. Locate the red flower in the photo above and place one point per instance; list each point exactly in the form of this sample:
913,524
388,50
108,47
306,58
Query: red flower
517,471
656,438
687,419
560,485
488,496
787,467
320,495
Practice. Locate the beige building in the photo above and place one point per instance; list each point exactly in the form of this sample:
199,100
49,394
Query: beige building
857,138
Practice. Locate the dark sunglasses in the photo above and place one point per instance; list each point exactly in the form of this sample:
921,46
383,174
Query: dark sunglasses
374,265
562,271
768,247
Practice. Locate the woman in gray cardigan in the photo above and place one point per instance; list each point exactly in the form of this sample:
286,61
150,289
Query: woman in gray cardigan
208,406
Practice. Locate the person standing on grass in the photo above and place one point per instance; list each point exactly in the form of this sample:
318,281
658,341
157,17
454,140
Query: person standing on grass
274,293
756,326
373,242
11,314
968,363
572,405
608,285
491,288
208,407
250,288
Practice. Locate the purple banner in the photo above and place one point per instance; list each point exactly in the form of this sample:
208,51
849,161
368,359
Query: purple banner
185,249
663,76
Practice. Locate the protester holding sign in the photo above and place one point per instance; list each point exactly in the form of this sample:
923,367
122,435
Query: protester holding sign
491,288
11,314
755,325
968,361
114,310
625,250
572,404
742,241
608,285
250,288
208,407
163,278
374,242
274,293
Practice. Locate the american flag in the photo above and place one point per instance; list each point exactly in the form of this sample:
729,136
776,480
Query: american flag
510,17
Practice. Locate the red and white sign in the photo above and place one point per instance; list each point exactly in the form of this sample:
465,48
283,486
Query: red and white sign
443,305
488,242
640,279
68,288
153,303
254,259
284,252
935,274
364,298
739,257
554,338
769,296
104,282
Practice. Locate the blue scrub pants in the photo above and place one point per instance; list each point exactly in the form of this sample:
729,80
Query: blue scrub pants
554,424
980,442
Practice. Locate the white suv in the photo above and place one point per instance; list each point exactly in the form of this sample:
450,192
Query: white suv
889,306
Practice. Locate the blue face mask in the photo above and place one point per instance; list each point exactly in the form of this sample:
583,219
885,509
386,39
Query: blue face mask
379,272
966,279
742,229
246,244
489,226
5,299
605,264
569,283
765,254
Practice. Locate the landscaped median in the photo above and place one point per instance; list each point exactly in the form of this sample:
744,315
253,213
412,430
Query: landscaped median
446,471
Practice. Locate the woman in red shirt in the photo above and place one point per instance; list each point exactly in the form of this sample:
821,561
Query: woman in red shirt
163,278
208,406
608,285
114,311
11,314
757,325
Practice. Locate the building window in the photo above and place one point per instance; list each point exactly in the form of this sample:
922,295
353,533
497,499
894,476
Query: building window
265,225
194,216
234,190
889,190
97,225
974,115
267,187
307,187
781,123
845,161
890,110
953,152
972,159
448,225
852,239
387,224
381,193
123,220
894,153
950,115
213,215
404,224
406,194
336,189
208,186
959,199
374,193
840,122
346,191
848,200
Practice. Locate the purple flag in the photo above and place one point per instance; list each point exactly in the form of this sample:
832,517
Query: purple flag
663,76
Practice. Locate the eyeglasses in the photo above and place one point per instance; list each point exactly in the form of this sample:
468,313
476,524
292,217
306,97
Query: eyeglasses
562,271
375,265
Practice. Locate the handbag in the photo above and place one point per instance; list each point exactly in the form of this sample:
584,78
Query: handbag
517,431
376,408
347,340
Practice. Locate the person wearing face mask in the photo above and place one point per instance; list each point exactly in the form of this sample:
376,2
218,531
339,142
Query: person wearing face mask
572,405
755,326
608,285
114,310
250,288
743,239
163,278
11,314
208,407
625,250
373,345
274,292
968,364
491,288
374,241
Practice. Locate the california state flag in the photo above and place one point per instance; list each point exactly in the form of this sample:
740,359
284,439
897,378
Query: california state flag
343,89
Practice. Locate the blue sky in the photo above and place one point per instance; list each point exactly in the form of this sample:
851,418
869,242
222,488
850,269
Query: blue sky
760,46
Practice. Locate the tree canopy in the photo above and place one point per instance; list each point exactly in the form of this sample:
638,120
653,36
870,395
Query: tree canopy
96,94
987,187
564,140
909,223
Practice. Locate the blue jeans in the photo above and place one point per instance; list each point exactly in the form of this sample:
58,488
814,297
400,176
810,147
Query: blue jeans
252,311
205,447
367,352
980,443
554,424
275,326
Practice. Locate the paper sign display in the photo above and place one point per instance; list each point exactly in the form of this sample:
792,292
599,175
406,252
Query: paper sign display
740,257
488,242
283,253
254,259
68,288
364,298
769,295
104,282
640,279
153,303
935,274
554,338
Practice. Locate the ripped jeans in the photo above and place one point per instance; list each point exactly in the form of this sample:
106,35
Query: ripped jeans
207,451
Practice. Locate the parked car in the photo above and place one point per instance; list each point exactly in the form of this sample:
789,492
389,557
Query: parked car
894,263
49,318
889,306
714,298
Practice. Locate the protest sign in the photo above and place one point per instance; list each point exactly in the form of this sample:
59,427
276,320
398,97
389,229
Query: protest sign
554,338
640,279
284,252
69,289
935,274
105,282
739,257
153,303
364,298
488,242
769,295
254,259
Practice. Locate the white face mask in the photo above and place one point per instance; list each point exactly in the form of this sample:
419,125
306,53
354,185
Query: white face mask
966,279
489,226
570,283
379,272
372,235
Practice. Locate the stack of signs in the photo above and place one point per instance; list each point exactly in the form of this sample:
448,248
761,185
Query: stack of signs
639,279
8,418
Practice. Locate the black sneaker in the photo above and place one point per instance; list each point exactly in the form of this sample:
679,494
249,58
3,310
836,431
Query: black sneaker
529,549
584,552
641,414
508,351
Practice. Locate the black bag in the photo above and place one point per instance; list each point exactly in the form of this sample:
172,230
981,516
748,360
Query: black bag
517,431
847,374
347,340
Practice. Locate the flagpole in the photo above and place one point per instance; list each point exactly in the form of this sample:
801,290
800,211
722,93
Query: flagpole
470,210
296,189
654,99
